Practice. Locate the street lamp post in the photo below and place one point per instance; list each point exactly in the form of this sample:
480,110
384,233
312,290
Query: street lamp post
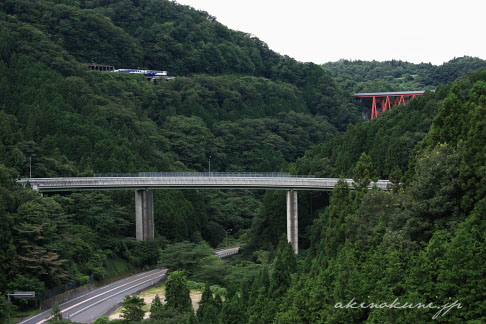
210,165
226,231
30,165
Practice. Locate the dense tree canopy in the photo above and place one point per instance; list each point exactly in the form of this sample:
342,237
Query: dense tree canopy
374,76
247,108
255,115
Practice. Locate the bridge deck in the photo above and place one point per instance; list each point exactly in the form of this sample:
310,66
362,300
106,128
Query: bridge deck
384,94
200,182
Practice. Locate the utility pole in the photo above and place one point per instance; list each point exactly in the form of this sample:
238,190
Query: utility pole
210,165
30,165
8,297
226,231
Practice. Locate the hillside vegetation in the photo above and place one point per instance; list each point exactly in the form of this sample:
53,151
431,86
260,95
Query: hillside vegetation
422,242
257,115
249,109
374,76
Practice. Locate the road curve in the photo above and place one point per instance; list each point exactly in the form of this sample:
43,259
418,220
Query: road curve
226,252
201,182
86,308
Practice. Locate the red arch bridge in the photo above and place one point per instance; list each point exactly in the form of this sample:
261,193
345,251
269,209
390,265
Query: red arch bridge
382,101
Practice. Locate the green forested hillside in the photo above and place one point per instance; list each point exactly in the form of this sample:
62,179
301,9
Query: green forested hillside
157,34
423,242
249,109
70,121
389,141
374,76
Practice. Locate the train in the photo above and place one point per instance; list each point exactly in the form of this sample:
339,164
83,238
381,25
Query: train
144,72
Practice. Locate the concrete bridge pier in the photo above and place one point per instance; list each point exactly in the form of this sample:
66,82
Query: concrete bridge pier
292,220
144,214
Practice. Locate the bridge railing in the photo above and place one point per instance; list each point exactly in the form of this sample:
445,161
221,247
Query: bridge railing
202,174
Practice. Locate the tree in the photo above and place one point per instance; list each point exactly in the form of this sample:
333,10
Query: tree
102,320
177,292
192,319
283,267
56,314
156,308
363,172
263,310
206,300
185,256
37,225
210,315
433,198
334,231
260,285
147,253
213,270
268,225
4,309
132,309
233,311
213,233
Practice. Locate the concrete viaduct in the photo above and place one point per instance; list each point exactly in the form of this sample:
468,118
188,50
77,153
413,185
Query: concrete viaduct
144,183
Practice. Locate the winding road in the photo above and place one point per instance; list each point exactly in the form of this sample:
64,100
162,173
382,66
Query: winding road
86,308
96,303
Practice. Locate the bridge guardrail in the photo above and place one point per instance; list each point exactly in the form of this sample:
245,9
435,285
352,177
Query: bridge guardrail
202,174
230,180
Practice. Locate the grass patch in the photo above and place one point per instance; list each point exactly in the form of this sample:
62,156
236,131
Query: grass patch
160,290
19,315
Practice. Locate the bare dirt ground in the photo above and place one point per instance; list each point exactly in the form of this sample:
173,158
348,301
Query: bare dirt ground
149,295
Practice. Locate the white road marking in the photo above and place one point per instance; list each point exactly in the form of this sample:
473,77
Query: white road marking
84,295
80,303
106,298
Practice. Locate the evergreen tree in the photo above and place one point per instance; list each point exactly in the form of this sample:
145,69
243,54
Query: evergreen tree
210,315
192,319
4,309
233,311
363,173
218,302
342,205
448,124
263,310
177,292
206,300
262,307
156,308
283,267
132,309
261,285
473,177
209,307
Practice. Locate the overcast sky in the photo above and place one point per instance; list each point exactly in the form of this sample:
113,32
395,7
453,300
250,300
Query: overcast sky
321,31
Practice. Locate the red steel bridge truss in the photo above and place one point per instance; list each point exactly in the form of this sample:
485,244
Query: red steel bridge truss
382,101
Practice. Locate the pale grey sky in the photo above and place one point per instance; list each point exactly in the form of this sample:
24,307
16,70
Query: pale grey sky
321,31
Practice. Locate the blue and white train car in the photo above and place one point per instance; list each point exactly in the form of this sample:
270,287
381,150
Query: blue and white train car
144,72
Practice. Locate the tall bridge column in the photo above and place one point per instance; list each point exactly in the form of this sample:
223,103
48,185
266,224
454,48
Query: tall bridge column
292,220
144,214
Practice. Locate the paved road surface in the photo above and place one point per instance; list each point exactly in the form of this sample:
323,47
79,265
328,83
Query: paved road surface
92,305
188,182
225,253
